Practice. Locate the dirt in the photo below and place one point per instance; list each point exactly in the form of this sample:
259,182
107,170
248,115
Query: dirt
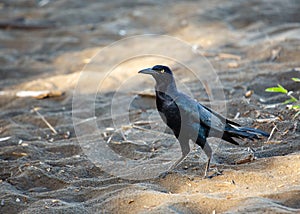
68,47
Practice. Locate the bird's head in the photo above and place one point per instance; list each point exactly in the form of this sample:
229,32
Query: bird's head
157,71
162,75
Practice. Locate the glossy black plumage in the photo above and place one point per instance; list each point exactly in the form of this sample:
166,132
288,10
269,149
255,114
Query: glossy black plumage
189,120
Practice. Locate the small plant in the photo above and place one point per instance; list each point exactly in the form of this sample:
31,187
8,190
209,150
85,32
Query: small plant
292,102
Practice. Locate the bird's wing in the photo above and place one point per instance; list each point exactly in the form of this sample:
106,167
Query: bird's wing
211,119
202,114
220,116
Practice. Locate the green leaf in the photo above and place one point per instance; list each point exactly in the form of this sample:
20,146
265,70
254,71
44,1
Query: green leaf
296,107
296,79
279,89
292,100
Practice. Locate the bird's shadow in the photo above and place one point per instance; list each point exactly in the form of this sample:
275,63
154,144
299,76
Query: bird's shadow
216,172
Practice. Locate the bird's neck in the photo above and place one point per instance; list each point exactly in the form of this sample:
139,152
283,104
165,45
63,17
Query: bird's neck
168,87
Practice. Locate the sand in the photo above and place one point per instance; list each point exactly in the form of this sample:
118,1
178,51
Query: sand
98,155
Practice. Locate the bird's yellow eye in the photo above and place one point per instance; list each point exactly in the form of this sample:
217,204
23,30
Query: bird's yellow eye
162,71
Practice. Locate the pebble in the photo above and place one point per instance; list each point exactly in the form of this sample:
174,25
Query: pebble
232,65
122,32
248,93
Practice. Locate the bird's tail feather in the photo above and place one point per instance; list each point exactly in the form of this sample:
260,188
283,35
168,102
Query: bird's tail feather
243,132
257,132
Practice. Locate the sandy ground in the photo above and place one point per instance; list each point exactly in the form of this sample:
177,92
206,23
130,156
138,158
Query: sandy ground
44,45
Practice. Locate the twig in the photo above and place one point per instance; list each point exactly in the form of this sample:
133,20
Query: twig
35,109
86,120
123,135
142,122
145,94
237,115
5,138
267,120
272,132
39,94
295,127
24,26
136,125
109,139
117,130
149,130
229,56
296,115
247,159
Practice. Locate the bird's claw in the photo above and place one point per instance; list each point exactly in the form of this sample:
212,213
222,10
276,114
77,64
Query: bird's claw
216,173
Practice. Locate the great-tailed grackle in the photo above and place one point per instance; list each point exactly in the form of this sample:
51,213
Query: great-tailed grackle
188,119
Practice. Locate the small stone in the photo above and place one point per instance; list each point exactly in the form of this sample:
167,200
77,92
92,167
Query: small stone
248,93
122,32
195,48
233,64
18,200
67,135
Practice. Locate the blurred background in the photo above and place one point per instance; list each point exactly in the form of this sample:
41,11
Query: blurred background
44,46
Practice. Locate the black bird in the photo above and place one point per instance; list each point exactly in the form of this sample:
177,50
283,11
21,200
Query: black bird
189,119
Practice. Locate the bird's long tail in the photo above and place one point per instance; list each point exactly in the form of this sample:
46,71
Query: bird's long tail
242,132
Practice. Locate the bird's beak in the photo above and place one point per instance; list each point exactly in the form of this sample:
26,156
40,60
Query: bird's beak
147,71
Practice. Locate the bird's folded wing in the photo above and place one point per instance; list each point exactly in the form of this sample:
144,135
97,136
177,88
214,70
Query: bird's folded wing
220,116
198,113
210,119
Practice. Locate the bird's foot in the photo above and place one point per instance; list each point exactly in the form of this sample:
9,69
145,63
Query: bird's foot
215,173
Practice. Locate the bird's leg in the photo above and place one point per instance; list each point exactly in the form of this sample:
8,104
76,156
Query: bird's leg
178,161
208,151
185,150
